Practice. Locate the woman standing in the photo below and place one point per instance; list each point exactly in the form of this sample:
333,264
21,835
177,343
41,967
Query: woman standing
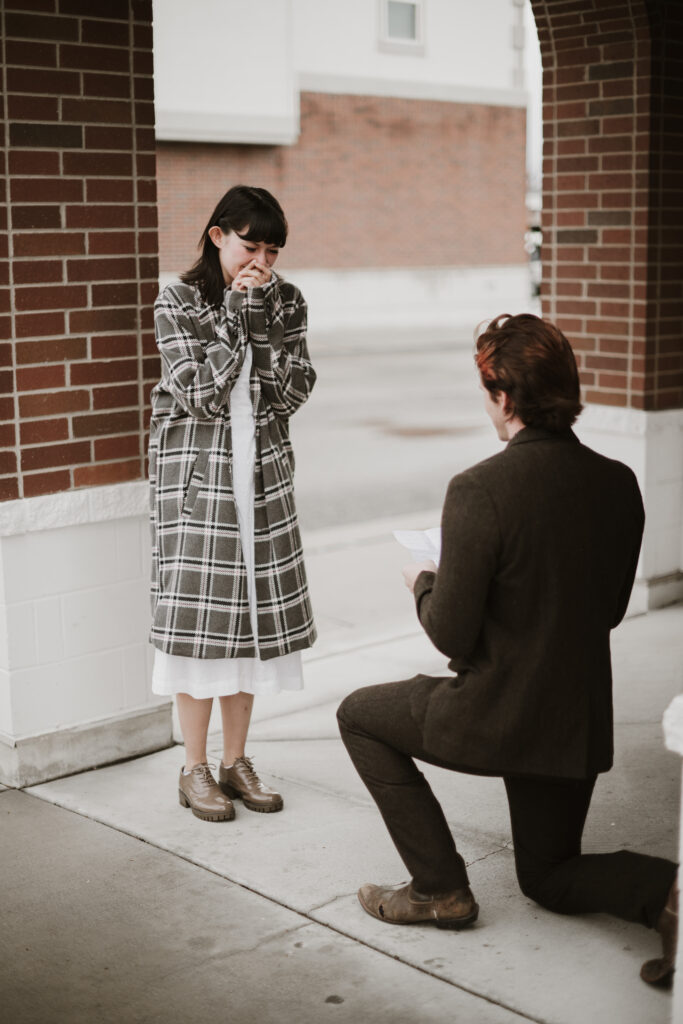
230,605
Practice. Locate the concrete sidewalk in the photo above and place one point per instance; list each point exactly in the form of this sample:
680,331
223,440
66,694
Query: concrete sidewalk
256,920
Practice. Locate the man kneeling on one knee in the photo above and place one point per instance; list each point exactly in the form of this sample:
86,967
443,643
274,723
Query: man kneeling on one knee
539,551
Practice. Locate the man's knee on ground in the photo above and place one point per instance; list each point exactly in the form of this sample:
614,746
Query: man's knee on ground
542,888
350,711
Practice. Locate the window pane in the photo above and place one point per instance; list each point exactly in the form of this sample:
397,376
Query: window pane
401,20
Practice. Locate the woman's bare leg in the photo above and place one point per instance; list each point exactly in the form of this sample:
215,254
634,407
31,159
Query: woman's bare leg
237,777
194,714
236,715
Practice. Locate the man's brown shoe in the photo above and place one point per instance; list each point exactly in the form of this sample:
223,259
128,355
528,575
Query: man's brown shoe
660,971
400,904
240,780
199,791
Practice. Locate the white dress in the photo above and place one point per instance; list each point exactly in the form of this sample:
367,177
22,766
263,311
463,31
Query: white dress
219,677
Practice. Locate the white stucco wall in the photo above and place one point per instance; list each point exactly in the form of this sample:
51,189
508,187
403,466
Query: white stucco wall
224,71
231,71
467,46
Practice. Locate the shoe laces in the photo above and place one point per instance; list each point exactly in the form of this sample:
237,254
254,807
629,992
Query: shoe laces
203,771
248,765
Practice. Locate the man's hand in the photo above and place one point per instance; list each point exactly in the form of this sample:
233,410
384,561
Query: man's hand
413,570
254,275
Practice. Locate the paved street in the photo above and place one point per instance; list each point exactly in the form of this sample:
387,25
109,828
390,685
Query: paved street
390,420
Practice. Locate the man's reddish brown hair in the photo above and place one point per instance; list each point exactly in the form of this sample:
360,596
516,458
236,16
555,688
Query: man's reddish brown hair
533,363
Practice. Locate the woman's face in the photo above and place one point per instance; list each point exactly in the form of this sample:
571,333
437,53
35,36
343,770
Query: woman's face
236,253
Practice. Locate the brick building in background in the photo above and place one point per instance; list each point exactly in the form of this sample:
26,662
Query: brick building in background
397,153
79,272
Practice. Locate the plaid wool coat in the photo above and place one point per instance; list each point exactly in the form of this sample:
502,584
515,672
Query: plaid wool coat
200,603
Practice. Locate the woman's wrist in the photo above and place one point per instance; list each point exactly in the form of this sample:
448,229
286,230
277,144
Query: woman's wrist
233,299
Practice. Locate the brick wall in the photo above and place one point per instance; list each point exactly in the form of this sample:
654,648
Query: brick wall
664,356
373,181
79,243
612,205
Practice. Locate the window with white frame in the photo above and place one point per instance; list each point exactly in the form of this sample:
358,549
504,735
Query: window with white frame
401,26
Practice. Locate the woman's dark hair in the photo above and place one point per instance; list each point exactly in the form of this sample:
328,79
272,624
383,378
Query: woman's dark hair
242,209
531,361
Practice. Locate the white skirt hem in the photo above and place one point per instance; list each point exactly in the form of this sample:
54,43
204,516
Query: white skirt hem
209,677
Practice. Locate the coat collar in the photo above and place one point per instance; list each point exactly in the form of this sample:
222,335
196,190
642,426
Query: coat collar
527,434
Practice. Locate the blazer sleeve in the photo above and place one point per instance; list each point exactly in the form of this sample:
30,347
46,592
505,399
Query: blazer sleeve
451,603
198,375
276,330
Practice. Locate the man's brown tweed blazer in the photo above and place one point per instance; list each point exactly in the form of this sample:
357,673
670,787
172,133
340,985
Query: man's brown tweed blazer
539,551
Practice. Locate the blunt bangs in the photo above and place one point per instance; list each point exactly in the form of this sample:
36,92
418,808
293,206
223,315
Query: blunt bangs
265,225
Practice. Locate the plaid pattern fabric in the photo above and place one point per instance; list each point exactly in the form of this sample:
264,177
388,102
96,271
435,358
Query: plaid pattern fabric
200,603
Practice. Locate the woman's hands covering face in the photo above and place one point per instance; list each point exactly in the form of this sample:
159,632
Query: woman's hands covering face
254,275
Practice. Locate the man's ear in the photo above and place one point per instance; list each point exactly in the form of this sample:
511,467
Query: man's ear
216,235
506,405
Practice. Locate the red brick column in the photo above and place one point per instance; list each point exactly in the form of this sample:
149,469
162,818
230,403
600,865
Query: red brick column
78,252
612,205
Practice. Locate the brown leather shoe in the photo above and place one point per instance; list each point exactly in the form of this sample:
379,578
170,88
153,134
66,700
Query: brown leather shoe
240,780
401,904
660,971
201,793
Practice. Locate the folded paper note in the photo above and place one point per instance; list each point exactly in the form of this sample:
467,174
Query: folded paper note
422,544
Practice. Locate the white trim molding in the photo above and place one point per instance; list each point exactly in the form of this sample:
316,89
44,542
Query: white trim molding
73,508
255,130
410,89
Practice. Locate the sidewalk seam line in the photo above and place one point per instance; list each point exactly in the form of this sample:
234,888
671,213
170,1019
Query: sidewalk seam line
335,652
300,913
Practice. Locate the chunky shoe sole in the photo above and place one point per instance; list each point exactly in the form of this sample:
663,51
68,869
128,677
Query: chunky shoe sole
234,794
205,815
658,972
454,924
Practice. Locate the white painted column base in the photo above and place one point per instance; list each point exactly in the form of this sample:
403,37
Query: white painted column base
33,759
75,663
651,443
673,737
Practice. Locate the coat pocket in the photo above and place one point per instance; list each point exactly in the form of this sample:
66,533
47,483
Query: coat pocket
196,479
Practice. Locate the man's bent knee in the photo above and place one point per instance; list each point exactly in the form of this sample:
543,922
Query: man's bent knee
545,890
350,711
375,710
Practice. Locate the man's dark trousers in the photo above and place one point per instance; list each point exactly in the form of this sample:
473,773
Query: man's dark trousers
380,728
